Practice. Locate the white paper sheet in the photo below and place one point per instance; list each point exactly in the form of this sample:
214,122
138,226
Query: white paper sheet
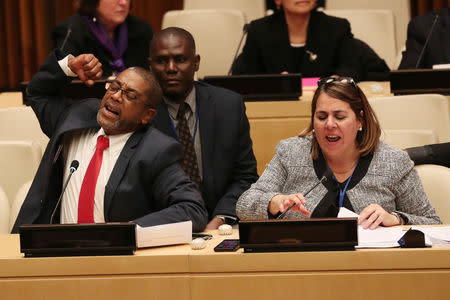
160,235
439,235
380,237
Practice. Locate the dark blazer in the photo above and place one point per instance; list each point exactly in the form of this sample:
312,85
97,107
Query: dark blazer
268,50
229,165
81,40
147,184
438,48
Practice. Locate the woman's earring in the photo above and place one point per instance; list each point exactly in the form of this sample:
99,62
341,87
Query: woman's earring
360,129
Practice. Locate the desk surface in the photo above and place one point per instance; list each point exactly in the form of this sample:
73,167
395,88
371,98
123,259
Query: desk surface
177,272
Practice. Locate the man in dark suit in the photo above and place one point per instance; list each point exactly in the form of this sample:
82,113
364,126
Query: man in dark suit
438,48
137,176
209,122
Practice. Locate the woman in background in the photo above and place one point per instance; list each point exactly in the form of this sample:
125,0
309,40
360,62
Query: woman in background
299,39
105,29
371,178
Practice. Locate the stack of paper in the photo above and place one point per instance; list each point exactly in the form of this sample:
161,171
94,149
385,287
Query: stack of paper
161,235
435,235
381,237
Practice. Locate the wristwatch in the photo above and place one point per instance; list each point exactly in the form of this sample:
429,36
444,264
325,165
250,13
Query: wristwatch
400,219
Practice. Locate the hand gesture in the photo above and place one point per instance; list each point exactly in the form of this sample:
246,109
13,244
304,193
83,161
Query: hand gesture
280,203
87,67
375,215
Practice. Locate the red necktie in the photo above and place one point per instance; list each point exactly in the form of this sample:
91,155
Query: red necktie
87,192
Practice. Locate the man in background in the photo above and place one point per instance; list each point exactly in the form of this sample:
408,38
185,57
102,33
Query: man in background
209,122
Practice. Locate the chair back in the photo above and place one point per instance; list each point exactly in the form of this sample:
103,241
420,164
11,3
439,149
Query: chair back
414,112
375,27
20,123
253,9
436,182
17,203
19,161
406,138
4,212
216,32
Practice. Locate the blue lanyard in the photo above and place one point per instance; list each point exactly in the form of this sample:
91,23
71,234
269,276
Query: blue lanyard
342,191
195,126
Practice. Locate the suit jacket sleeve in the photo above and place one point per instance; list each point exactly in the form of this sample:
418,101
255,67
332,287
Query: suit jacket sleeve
347,63
411,201
253,203
414,44
244,169
45,93
437,154
173,190
250,60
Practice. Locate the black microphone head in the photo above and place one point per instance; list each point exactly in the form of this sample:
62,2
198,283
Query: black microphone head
74,165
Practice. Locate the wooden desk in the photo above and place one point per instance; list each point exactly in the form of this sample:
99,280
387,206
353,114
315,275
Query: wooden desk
181,273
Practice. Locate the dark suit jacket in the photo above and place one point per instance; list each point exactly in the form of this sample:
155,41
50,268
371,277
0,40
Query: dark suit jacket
438,154
229,165
268,50
438,49
147,184
81,40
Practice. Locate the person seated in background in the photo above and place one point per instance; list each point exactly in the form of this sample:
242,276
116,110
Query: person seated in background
438,49
299,39
105,29
371,66
128,170
371,178
209,122
438,154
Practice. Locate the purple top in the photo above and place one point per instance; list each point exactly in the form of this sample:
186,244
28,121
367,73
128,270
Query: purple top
117,47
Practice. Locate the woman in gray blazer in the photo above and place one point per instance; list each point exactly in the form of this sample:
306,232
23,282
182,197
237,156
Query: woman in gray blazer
368,177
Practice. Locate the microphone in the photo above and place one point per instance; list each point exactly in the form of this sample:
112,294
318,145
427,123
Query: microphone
73,167
419,60
244,32
325,177
69,32
312,56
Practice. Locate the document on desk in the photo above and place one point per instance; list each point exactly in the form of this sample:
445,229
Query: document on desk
381,237
161,235
434,236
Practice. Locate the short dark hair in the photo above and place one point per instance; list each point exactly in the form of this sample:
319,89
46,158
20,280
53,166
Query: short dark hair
177,31
369,138
153,92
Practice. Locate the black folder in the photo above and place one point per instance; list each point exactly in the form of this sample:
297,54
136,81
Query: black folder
420,81
315,234
261,87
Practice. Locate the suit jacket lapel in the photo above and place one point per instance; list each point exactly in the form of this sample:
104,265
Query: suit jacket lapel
206,112
119,169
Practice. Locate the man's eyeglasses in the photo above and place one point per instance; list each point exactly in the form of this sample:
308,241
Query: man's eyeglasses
130,95
327,80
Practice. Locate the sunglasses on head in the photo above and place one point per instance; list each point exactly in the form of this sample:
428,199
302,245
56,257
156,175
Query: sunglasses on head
328,80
